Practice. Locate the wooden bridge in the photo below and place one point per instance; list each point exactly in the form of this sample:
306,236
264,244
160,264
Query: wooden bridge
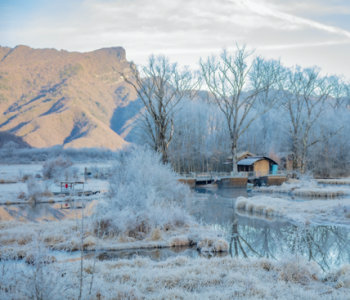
223,179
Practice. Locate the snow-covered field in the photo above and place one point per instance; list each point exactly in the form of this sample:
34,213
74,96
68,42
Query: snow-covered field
19,237
12,192
145,208
339,181
306,189
178,278
47,212
14,171
335,211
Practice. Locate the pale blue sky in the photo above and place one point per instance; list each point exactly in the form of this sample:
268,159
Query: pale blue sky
309,32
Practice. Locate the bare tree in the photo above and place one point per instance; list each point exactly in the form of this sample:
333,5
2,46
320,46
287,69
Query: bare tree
340,93
242,91
347,93
306,99
162,87
10,147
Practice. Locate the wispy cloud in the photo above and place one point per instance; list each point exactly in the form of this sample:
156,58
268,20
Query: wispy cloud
182,29
264,9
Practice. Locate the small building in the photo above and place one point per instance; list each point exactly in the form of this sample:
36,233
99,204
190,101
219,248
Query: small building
258,164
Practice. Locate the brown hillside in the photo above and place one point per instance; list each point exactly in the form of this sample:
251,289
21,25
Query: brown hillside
51,97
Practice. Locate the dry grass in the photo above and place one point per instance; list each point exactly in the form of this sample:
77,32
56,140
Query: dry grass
213,245
22,195
311,190
180,241
320,192
216,278
6,181
47,193
25,177
156,234
48,259
339,181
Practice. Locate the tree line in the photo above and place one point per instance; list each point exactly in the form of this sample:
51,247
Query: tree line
237,102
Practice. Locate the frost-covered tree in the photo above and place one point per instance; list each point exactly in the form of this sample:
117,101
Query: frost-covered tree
144,193
306,99
162,87
243,91
10,147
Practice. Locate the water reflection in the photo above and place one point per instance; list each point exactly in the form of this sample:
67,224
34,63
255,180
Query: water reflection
254,236
155,254
248,235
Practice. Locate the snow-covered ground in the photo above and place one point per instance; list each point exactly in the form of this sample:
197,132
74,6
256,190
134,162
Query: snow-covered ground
10,192
14,172
339,181
65,235
45,212
306,189
336,211
179,278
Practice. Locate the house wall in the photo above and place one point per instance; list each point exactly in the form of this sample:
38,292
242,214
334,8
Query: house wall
262,166
276,180
233,182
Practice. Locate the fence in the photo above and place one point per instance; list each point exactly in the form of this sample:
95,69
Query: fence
221,175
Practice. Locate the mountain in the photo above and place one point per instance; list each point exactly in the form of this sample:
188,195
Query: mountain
50,97
9,137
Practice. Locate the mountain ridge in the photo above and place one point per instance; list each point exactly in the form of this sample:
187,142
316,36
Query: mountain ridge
50,97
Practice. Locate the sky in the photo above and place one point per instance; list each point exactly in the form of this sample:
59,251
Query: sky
303,32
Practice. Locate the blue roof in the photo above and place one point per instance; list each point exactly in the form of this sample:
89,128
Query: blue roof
251,160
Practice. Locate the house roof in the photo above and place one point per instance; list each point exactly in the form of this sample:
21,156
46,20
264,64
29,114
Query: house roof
240,154
251,160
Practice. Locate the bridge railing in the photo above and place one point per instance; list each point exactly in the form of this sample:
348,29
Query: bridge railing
219,175
264,173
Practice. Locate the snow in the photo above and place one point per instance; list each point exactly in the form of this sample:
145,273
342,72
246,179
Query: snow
339,181
179,277
145,208
64,235
306,189
45,212
335,211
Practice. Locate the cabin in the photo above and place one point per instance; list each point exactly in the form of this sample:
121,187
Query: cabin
258,164
249,162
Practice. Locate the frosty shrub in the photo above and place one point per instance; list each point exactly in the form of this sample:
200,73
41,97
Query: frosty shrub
144,194
55,168
70,173
35,188
42,279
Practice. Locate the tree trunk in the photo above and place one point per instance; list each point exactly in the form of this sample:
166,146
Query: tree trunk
163,146
234,158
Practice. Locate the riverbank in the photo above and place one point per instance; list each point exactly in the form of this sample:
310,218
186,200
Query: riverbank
326,212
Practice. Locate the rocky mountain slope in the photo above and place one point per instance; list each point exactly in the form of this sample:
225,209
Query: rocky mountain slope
51,97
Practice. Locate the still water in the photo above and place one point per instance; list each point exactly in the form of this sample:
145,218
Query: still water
248,235
254,236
